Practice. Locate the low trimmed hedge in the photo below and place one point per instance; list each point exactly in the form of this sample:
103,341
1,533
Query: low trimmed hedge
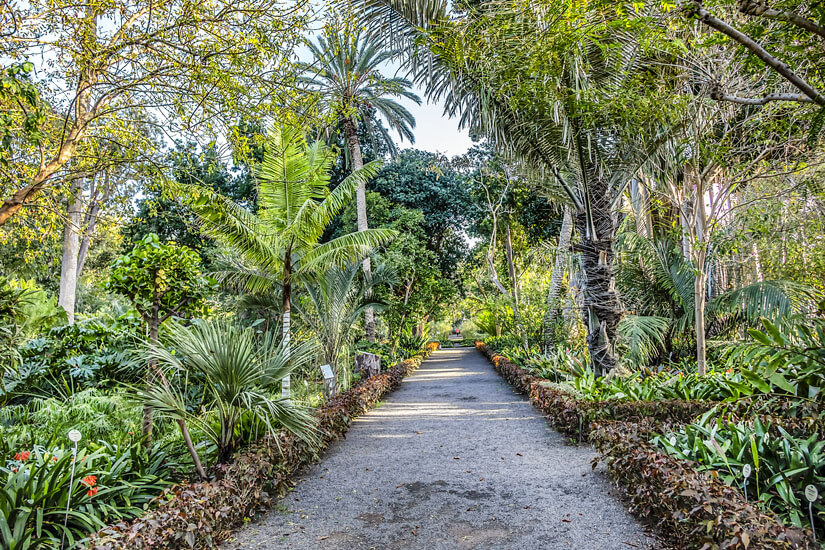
573,417
691,508
201,514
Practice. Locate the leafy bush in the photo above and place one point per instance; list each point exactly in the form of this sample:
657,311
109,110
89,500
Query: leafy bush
788,358
783,465
109,484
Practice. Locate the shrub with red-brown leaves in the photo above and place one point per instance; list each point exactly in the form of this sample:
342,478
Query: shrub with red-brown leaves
201,514
693,509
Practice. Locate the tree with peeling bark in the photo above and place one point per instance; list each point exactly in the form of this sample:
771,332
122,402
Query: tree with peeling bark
346,73
188,64
279,245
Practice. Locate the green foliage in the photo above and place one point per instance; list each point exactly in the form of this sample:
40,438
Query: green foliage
239,376
110,484
786,357
783,465
161,280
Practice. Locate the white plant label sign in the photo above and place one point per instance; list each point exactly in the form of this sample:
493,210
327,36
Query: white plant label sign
811,493
746,471
327,372
74,436
673,441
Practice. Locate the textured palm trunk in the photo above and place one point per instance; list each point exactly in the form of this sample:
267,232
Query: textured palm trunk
552,314
700,253
354,146
602,308
71,248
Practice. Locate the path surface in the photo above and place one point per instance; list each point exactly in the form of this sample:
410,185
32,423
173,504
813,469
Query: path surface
454,459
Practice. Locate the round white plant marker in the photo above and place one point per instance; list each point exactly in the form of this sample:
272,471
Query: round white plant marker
746,471
74,436
811,493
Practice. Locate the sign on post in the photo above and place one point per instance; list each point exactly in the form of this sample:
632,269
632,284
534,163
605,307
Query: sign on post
329,381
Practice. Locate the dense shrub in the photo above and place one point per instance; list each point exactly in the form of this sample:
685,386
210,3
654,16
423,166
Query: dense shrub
201,514
694,509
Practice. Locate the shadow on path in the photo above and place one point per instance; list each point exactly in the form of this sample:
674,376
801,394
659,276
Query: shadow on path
454,459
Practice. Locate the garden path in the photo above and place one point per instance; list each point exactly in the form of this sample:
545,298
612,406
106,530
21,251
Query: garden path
454,459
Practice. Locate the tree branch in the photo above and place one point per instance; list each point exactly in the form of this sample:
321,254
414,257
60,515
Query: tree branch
695,9
760,8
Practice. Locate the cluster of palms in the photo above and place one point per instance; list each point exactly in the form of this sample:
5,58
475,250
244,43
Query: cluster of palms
278,250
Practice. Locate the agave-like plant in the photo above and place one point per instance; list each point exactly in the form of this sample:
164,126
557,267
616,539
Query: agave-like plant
240,373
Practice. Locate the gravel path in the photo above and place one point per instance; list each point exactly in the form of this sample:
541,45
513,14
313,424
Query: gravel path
454,459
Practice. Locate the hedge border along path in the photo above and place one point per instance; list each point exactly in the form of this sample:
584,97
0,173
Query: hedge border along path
691,509
201,514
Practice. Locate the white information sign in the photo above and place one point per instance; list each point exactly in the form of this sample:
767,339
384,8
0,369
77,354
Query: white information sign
746,470
74,436
327,372
811,493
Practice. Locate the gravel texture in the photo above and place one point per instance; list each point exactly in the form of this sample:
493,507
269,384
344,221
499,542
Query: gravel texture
454,459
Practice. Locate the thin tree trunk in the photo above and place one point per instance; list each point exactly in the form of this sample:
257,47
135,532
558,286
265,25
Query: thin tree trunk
90,222
351,135
196,459
552,313
514,290
71,243
701,277
148,411
287,308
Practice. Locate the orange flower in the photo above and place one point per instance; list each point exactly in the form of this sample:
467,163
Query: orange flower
90,481
22,456
92,492
54,459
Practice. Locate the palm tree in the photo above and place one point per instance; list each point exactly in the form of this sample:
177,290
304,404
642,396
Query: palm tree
339,297
346,73
240,375
279,245
549,101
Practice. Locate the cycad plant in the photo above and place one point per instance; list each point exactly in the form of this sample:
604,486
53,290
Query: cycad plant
346,74
280,244
338,298
240,374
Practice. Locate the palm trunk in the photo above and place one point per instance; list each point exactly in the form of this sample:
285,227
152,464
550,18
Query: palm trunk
196,459
700,282
354,146
552,313
287,308
148,411
71,245
601,301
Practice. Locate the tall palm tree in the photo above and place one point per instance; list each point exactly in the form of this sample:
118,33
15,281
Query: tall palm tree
279,245
346,73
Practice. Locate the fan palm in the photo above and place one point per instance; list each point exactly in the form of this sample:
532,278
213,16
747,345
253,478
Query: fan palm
565,102
339,297
346,73
240,374
280,244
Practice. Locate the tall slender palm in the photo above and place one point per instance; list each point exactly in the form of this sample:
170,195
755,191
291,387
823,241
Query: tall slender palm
346,73
279,244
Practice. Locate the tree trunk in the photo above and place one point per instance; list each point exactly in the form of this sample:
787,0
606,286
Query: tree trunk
601,301
552,312
287,308
514,289
148,411
354,146
700,253
196,459
71,244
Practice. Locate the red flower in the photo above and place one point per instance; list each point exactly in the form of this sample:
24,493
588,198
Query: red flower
92,492
22,456
90,481
54,459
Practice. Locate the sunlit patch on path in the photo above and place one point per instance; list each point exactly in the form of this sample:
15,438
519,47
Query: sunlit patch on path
452,460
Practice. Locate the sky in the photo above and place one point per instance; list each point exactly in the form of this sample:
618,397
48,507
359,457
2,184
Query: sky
434,131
